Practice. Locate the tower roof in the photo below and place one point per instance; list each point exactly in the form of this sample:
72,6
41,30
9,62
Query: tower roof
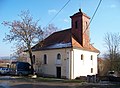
80,13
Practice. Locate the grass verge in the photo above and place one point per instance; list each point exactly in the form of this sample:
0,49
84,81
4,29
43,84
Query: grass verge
41,79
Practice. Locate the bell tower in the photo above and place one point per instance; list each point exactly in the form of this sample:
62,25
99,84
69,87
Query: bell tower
80,28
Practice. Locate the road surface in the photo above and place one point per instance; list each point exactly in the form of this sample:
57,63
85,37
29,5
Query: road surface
17,82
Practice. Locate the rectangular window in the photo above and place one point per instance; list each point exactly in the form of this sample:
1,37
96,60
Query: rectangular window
91,57
76,24
91,70
81,56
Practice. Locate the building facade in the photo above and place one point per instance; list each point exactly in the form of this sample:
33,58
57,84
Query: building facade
67,53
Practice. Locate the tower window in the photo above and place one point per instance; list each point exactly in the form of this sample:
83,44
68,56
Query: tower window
86,24
76,24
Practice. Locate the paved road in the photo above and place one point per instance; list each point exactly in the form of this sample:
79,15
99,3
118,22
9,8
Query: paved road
16,82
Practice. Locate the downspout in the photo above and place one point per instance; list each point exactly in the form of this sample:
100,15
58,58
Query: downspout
72,64
70,60
98,64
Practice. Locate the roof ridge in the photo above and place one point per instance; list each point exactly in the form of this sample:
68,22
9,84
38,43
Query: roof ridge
62,30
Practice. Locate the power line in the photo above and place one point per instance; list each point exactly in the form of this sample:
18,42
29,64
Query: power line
58,12
93,15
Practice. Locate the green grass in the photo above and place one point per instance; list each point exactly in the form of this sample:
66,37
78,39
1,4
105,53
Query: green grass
72,81
46,79
41,79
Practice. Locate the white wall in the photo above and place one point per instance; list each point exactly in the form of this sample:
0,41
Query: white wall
83,67
50,67
71,64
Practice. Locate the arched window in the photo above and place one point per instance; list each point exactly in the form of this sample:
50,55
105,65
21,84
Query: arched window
82,57
58,57
45,59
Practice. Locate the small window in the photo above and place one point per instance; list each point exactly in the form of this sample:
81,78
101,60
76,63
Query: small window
76,24
82,57
58,57
86,24
91,57
91,70
33,59
45,59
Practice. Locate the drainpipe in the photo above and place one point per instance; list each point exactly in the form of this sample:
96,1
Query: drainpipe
71,64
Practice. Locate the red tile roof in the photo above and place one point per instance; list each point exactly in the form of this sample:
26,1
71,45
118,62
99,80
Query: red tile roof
61,39
80,13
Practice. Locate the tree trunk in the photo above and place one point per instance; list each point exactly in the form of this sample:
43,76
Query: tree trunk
31,58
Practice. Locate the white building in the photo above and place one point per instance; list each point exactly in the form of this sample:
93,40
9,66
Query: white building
67,53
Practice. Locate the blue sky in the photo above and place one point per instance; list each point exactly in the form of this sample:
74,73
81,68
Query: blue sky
106,19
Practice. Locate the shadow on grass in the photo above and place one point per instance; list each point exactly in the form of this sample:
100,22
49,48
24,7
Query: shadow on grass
37,86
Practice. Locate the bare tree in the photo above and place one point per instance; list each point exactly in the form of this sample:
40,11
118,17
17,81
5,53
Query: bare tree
24,32
19,53
48,30
105,65
112,42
